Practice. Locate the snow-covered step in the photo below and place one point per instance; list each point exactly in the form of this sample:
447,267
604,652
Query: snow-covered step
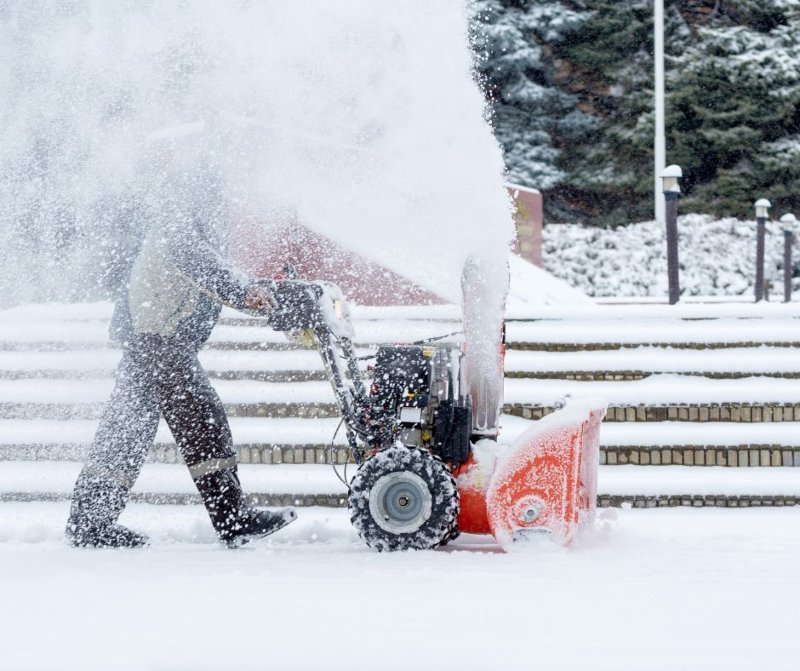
60,327
636,308
565,336
270,430
713,481
103,310
21,335
657,390
245,430
281,365
59,478
692,308
85,398
275,441
636,363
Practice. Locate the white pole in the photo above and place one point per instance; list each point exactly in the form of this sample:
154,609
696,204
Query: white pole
660,150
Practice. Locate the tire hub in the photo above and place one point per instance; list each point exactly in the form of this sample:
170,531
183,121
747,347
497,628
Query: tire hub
400,502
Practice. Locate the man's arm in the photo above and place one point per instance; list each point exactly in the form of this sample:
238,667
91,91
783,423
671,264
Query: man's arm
206,266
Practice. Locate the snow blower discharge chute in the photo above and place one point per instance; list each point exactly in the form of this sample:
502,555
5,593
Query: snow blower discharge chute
425,471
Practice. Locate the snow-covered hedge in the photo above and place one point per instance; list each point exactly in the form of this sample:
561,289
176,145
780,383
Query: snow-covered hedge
717,257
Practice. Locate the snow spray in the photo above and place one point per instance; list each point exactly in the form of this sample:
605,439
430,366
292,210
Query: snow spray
361,117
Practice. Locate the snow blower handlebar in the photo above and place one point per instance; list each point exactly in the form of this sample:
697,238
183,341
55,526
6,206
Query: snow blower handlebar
415,397
319,307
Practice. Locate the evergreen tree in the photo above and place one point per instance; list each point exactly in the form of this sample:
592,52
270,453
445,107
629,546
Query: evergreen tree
555,70
734,108
531,114
609,179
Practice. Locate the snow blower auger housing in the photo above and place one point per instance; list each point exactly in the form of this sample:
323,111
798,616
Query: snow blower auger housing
410,435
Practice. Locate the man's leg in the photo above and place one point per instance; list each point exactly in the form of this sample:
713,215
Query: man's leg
124,435
196,417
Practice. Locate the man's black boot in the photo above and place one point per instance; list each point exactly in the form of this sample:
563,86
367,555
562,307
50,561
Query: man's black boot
96,505
236,521
254,523
108,536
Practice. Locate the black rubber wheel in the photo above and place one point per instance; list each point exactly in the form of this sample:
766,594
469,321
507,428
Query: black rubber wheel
404,499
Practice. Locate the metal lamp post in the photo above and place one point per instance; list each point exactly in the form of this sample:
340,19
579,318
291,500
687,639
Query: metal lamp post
762,206
788,223
659,141
670,177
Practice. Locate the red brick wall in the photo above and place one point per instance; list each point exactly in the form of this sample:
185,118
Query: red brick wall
315,256
528,222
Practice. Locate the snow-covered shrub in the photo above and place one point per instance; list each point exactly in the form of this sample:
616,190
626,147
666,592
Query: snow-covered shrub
716,257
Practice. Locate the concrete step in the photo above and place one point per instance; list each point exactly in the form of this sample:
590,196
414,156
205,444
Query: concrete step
673,485
713,412
288,438
657,398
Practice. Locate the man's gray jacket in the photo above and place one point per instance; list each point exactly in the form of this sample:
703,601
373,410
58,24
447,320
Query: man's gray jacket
181,276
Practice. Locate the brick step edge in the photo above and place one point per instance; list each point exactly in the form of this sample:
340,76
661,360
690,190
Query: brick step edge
529,346
340,500
291,376
632,375
169,454
742,456
675,455
270,500
745,413
696,501
287,376
68,411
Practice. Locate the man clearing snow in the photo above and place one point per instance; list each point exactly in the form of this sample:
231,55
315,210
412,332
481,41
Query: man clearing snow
177,285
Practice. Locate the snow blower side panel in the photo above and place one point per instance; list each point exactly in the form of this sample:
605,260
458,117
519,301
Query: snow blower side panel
547,483
544,484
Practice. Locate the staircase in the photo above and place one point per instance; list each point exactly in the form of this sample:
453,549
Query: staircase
704,405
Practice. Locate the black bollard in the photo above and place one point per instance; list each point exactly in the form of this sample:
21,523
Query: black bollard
762,205
671,186
788,222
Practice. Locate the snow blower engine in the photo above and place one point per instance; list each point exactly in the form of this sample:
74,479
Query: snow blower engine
410,433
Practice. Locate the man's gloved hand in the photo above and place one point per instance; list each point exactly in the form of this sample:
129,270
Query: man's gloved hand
260,299
303,337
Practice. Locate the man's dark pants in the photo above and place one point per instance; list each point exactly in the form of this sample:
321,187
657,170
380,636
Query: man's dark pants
156,375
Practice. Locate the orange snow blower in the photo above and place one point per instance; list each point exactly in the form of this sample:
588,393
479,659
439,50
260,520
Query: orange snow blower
423,437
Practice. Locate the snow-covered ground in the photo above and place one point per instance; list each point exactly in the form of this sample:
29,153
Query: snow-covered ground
676,588
655,589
